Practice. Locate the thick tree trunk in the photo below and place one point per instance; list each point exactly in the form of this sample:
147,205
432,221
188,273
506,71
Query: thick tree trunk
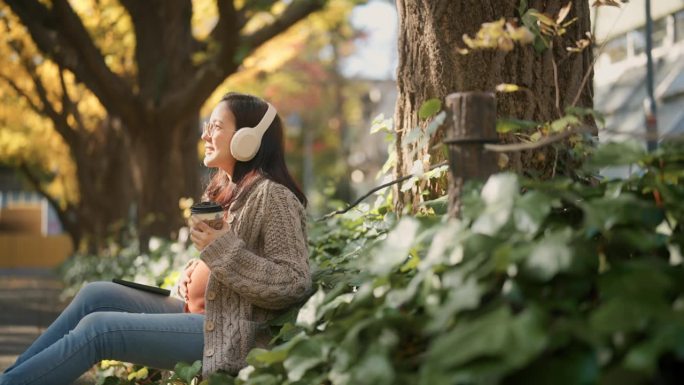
105,185
163,177
166,159
430,66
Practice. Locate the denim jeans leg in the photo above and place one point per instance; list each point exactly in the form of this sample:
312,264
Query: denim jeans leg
94,297
104,297
156,340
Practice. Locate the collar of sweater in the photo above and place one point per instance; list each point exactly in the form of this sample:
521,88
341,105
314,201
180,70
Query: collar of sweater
245,192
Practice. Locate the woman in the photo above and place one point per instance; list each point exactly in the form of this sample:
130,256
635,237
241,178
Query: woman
255,267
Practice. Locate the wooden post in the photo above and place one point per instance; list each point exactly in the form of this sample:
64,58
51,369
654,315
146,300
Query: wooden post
471,124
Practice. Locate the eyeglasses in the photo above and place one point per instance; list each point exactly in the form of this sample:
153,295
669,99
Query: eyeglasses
208,128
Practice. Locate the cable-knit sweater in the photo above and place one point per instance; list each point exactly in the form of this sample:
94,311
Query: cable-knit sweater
258,269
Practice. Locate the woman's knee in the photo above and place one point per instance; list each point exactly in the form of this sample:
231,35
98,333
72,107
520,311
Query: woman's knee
93,293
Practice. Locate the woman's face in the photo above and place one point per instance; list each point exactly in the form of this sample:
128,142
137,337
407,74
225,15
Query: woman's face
217,135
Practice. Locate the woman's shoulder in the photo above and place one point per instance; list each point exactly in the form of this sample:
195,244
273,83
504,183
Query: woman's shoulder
277,193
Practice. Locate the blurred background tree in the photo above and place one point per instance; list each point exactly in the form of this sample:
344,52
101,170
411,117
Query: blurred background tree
152,70
91,159
124,84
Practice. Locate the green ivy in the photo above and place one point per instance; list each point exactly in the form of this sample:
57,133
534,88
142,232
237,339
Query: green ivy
537,282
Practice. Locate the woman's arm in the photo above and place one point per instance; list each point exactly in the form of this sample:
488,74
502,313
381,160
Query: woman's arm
281,276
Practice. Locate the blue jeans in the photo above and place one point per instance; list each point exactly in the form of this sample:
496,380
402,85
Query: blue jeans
109,321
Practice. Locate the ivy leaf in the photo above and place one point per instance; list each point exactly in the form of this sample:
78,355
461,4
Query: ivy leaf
435,124
303,357
498,194
381,124
618,154
562,123
187,372
505,125
429,108
550,256
531,210
307,314
396,247
514,340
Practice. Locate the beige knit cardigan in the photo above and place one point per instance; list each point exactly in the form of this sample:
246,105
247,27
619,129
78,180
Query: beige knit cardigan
258,269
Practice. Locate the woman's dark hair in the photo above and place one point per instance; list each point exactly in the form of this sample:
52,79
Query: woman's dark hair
269,161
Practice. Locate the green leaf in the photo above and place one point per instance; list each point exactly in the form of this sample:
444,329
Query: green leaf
564,122
303,357
381,124
510,341
429,108
522,7
220,379
499,195
570,366
506,125
435,124
623,315
531,210
307,314
464,295
412,137
187,372
583,111
618,154
645,356
395,249
551,255
262,357
605,213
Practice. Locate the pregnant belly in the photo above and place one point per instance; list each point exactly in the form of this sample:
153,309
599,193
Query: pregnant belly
197,287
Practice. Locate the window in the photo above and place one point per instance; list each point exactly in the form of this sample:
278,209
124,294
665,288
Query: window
659,34
679,25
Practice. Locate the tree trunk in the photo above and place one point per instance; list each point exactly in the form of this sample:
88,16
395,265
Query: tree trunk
105,185
162,177
430,66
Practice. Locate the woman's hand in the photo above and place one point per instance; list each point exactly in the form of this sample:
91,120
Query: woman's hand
202,234
185,278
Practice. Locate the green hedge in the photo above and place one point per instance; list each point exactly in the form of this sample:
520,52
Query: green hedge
538,283
553,282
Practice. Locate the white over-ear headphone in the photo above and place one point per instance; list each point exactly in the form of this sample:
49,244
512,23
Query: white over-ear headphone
247,140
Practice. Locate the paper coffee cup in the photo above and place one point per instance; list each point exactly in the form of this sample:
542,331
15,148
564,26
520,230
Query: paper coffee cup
209,212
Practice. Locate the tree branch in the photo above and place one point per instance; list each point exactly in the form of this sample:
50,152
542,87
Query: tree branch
220,64
540,143
59,120
295,12
68,105
369,193
224,62
22,94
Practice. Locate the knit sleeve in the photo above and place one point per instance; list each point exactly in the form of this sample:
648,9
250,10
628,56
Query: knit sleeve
281,276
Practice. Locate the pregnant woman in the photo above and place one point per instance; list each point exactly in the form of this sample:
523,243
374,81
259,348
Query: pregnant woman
248,272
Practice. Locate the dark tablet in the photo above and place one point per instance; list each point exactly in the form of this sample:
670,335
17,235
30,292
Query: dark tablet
140,286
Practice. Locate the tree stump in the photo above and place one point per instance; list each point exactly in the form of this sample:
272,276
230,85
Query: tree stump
471,124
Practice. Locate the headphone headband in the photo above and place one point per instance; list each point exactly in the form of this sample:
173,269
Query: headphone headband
247,140
266,121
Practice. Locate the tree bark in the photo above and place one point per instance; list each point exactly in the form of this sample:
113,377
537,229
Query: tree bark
430,66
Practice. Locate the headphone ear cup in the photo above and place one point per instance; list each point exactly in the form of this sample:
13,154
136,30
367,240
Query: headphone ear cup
244,144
